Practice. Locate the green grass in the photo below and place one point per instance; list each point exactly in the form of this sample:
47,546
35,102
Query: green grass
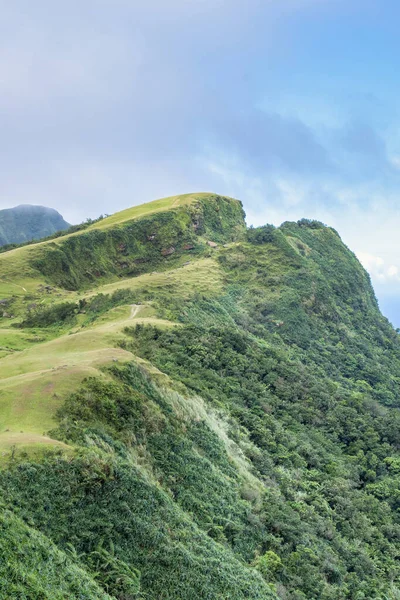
148,208
34,382
200,275
18,276
15,340
40,367
236,411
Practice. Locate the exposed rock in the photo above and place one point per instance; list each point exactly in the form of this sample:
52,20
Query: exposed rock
168,251
188,247
212,244
151,237
6,315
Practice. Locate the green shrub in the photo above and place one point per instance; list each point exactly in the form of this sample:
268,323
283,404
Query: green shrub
49,316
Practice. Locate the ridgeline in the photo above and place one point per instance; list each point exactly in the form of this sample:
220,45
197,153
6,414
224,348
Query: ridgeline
190,408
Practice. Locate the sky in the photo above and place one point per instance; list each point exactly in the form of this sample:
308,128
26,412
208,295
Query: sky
289,105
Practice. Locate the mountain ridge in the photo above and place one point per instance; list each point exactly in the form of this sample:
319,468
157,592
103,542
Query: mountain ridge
218,421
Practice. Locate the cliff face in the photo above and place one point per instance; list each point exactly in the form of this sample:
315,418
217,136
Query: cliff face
26,222
221,411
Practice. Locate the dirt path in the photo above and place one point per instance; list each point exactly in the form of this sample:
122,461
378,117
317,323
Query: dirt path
135,308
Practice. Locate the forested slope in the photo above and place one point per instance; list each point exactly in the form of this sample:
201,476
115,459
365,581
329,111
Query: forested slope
245,441
28,222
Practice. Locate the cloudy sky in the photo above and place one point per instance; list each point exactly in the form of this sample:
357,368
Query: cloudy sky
290,105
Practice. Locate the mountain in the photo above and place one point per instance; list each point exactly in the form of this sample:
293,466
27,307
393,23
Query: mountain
27,222
190,408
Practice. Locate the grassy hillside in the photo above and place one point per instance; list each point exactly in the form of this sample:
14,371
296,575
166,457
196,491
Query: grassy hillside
217,421
128,243
43,362
26,222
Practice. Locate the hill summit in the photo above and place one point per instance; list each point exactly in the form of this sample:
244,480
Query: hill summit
29,222
190,408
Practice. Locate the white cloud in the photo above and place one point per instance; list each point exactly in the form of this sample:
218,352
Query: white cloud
107,103
378,268
395,161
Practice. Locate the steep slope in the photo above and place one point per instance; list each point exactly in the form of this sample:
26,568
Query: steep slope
27,222
222,420
162,235
33,567
123,245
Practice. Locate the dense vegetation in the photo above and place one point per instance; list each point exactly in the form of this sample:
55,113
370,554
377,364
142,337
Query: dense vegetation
298,354
64,313
251,451
140,245
32,567
26,222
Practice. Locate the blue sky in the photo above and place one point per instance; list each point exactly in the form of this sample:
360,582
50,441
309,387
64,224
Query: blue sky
289,105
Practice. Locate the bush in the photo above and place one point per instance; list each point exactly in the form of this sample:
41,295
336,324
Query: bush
261,235
49,316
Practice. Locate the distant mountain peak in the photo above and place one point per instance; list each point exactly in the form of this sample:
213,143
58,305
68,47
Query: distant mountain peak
27,222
